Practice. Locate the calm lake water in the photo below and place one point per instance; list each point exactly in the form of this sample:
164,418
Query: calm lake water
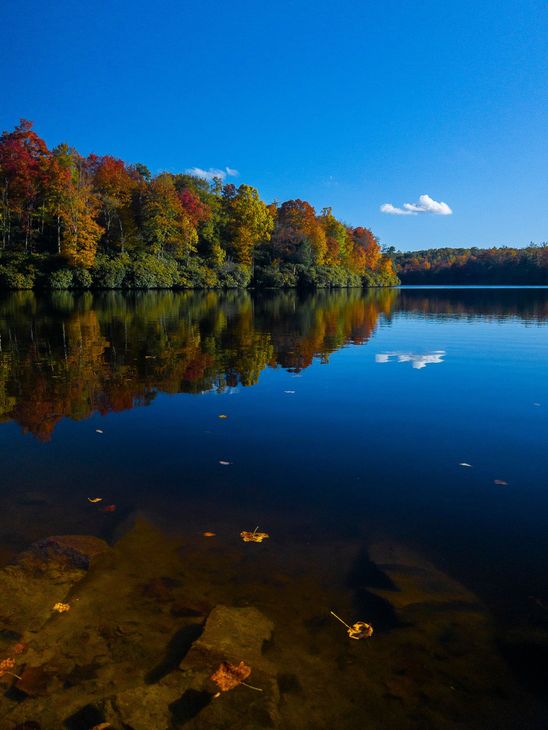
394,445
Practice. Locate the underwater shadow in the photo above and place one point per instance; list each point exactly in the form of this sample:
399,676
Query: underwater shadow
363,576
176,650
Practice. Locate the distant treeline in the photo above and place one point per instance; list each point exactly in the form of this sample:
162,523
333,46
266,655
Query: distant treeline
68,221
504,265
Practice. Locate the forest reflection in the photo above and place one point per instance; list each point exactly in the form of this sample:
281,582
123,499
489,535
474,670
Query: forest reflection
69,355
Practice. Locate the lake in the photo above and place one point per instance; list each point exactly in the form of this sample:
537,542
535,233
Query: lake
392,443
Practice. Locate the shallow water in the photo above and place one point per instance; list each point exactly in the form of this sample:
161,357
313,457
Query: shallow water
349,415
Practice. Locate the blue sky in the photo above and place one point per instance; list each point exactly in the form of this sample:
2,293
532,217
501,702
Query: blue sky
348,104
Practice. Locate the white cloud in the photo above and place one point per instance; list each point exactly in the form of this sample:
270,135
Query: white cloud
426,204
391,210
212,173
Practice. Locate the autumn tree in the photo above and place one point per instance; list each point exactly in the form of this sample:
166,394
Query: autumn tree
113,184
298,235
22,174
336,236
167,225
80,206
248,222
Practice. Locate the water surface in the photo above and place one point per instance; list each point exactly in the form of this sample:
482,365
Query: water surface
349,416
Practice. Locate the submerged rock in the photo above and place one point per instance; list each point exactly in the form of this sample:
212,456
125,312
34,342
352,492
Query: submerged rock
234,634
78,551
42,576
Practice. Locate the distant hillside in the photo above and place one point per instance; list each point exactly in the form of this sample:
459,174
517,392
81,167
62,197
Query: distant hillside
502,265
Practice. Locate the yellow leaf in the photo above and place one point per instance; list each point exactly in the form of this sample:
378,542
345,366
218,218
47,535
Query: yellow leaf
360,630
253,536
61,607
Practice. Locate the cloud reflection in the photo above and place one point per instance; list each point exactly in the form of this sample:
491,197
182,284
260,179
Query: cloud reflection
418,361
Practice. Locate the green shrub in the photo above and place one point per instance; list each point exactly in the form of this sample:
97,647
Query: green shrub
60,279
82,279
10,278
109,273
195,274
276,276
234,276
380,278
151,272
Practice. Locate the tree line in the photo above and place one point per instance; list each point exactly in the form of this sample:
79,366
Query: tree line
69,221
497,265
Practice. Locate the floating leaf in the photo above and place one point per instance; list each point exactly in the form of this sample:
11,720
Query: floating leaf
254,536
209,534
463,463
230,675
289,392
6,665
61,607
98,430
110,508
223,416
359,630
225,463
94,500
501,482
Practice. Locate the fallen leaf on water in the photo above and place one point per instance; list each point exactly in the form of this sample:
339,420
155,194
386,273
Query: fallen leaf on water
61,607
94,500
230,675
224,463
359,630
289,391
109,508
501,482
222,416
98,430
209,534
6,665
254,536
463,463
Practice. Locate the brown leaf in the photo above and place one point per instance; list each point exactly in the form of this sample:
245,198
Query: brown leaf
229,675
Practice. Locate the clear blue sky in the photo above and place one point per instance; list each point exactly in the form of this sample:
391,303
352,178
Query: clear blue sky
350,104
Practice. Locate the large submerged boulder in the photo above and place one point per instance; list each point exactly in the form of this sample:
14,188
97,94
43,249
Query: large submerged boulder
42,576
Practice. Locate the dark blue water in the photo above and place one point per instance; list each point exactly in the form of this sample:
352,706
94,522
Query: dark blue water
349,415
